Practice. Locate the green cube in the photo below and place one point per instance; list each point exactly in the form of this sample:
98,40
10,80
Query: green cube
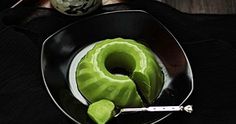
101,111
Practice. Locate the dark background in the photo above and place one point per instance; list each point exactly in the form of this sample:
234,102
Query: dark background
188,6
204,6
208,40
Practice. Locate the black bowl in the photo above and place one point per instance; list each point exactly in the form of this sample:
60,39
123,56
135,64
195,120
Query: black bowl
60,48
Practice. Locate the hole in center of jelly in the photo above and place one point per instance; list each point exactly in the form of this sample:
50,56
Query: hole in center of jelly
119,71
120,63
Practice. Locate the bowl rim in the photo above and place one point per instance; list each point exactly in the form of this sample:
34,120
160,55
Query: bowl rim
189,68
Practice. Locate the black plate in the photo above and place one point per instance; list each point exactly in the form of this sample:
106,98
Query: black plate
59,50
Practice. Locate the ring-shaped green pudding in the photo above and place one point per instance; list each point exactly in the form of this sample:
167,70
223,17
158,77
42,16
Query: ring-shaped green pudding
99,74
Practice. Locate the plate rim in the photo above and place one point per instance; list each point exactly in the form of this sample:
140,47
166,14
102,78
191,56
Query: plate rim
189,68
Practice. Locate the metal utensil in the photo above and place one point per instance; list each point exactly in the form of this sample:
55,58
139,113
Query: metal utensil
187,109
16,4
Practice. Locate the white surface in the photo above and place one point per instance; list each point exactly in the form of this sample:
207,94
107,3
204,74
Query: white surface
72,74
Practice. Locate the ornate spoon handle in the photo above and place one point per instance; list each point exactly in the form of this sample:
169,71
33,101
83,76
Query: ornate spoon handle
187,108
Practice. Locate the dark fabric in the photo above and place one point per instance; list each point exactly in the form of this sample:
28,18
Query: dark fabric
208,40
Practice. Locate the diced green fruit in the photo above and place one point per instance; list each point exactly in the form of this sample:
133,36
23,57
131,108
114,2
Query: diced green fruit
101,111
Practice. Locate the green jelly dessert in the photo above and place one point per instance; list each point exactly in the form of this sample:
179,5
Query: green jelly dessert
96,78
101,111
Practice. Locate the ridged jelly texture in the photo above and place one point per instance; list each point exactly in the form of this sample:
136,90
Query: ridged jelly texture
95,82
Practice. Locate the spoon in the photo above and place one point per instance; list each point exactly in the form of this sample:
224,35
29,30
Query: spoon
187,109
16,4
